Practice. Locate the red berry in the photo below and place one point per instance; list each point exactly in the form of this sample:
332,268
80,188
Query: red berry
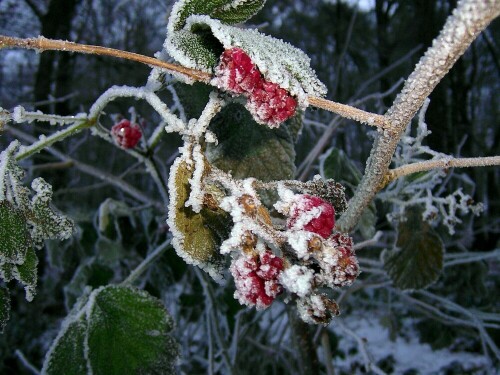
126,134
256,279
270,104
313,214
236,72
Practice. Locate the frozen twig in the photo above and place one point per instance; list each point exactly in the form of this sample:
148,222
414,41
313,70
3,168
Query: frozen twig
148,261
370,366
370,242
26,363
43,44
461,28
428,165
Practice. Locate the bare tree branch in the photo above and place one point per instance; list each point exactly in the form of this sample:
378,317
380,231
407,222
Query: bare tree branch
461,28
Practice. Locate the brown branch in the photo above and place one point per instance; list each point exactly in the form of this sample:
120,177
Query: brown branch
44,44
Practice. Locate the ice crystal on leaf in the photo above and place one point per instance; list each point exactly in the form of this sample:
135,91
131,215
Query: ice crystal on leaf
25,223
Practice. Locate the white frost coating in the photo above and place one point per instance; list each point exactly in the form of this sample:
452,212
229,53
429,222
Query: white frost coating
196,184
177,236
297,279
277,60
5,158
299,242
287,197
18,114
311,306
174,124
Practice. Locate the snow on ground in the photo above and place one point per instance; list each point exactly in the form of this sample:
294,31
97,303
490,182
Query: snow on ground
407,352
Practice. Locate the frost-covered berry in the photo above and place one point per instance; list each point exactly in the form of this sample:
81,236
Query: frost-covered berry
311,213
269,104
236,72
338,262
126,134
256,278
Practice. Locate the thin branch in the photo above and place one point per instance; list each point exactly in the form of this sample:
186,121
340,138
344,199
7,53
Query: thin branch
460,30
85,168
349,112
428,165
148,261
43,44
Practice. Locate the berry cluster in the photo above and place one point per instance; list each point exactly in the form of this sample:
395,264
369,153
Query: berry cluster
126,134
256,278
312,214
268,103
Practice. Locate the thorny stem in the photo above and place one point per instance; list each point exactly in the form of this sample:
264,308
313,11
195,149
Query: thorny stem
459,31
43,44
148,261
442,163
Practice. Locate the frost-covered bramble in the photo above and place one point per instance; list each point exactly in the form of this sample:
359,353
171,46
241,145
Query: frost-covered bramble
237,73
312,214
256,278
126,134
269,104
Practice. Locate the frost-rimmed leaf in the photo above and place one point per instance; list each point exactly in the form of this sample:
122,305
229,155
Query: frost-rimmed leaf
200,42
114,330
418,260
25,273
196,236
4,307
228,11
15,239
249,150
47,223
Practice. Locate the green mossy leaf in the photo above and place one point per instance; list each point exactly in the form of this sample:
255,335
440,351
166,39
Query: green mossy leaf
247,149
128,333
67,354
193,98
338,166
114,330
227,11
47,223
4,307
197,236
418,260
15,239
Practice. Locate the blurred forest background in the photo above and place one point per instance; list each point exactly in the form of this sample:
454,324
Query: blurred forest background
362,55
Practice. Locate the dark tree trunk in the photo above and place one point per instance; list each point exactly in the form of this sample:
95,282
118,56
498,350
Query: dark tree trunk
56,24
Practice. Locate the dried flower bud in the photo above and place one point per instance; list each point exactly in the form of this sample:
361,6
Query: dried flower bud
248,204
314,244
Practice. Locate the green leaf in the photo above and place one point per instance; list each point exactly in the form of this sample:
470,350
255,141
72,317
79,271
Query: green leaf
67,354
193,98
4,307
47,223
197,236
228,11
114,330
128,333
248,149
15,239
27,274
337,165
418,260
